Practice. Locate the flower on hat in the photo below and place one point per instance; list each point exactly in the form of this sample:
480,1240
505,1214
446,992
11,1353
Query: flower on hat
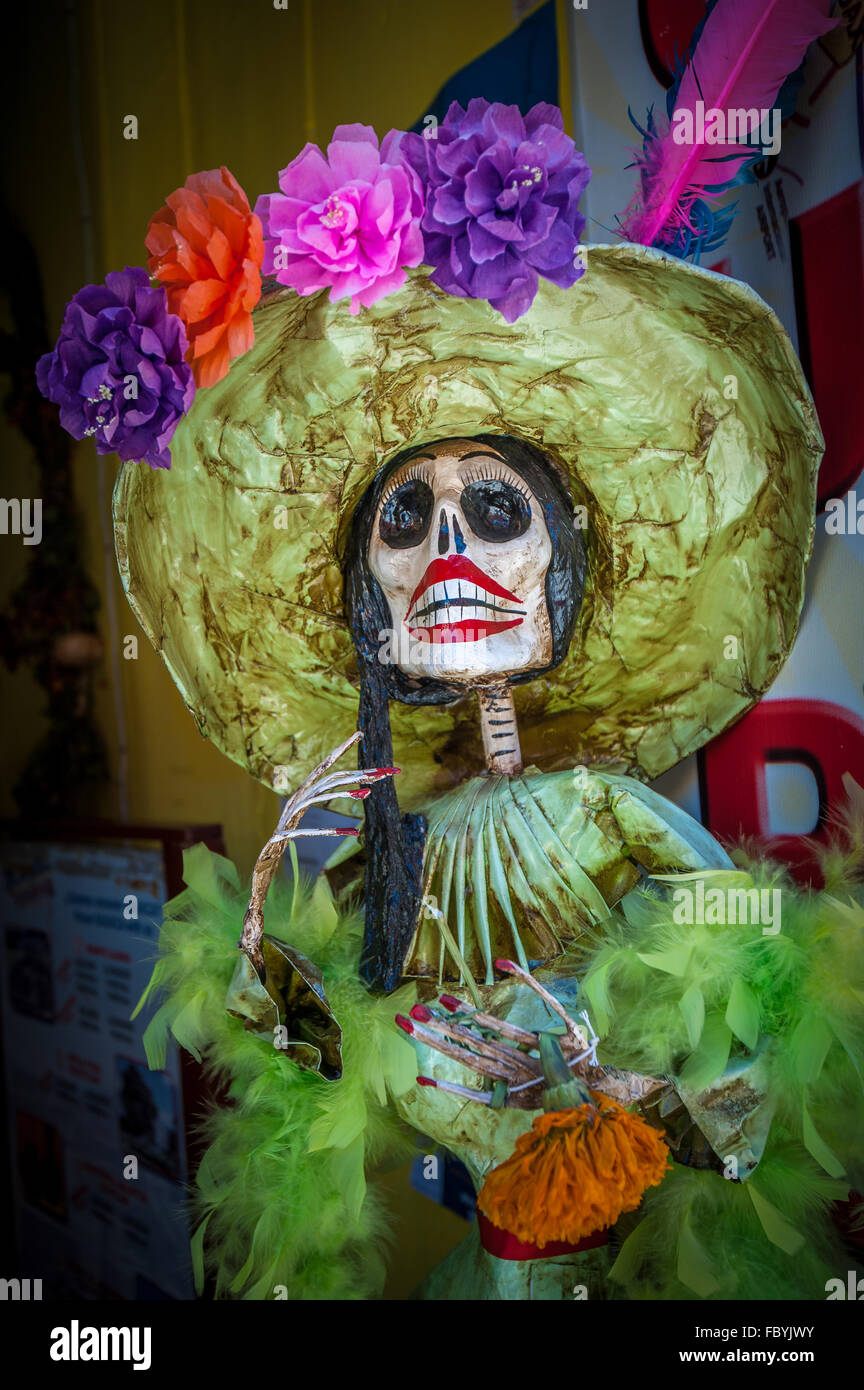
350,222
118,371
502,193
206,247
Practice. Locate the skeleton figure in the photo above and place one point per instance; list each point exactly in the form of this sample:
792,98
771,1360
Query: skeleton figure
337,525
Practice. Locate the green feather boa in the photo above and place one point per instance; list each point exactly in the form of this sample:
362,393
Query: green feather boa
281,1195
677,999
281,1198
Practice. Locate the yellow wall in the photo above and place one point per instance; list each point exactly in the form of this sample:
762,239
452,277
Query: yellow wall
234,82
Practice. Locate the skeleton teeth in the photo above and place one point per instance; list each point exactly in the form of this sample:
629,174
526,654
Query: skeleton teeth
455,601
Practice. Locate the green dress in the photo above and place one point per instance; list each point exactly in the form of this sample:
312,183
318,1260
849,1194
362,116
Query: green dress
757,1038
526,867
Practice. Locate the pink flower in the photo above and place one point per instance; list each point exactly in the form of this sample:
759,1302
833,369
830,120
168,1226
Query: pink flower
350,222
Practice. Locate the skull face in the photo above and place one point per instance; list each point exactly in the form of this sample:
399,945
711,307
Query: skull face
460,549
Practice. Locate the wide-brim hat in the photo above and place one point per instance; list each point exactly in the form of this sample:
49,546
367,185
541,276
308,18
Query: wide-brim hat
673,403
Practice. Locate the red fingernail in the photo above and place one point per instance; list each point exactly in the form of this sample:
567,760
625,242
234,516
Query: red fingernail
361,793
405,1024
421,1013
506,966
453,1005
426,1081
386,771
346,832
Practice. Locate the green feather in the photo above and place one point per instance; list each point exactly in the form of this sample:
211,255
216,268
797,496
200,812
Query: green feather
674,961
694,1268
778,1230
815,1144
196,1247
692,1006
809,1046
709,1059
742,1013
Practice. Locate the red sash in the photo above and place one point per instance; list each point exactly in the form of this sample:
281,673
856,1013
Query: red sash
509,1247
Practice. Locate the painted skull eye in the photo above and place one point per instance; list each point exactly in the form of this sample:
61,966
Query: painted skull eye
495,510
406,515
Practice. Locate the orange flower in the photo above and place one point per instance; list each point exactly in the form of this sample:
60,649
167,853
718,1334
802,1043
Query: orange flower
206,248
574,1173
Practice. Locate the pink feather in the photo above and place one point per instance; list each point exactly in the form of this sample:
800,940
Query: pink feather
745,52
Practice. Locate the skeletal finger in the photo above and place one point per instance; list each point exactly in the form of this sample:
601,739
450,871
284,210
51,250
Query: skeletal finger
284,835
489,1021
361,776
345,789
358,793
487,1066
452,1088
328,762
508,1056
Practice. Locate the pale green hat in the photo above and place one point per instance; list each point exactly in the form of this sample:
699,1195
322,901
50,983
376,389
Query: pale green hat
671,398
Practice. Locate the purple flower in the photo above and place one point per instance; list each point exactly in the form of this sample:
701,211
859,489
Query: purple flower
118,371
501,202
350,221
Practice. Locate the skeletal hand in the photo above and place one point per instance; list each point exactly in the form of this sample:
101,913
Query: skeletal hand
508,1056
320,786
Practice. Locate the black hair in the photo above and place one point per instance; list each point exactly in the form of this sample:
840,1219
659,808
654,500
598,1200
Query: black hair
395,843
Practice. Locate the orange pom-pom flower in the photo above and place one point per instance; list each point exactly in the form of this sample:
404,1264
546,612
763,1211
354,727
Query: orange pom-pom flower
577,1169
206,248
